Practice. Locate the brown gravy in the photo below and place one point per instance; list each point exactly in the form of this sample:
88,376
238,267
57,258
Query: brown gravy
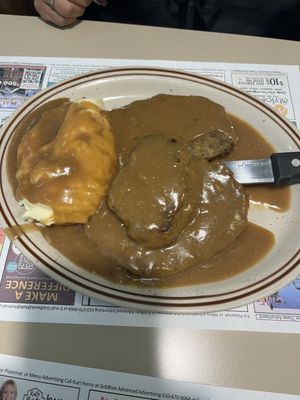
248,248
16,231
251,145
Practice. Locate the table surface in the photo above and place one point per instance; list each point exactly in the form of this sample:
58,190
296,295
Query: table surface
249,360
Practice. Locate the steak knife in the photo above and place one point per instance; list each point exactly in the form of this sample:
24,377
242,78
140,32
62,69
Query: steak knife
280,169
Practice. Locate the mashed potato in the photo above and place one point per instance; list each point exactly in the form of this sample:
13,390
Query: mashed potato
63,180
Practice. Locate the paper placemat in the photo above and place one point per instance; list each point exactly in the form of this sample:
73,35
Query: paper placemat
26,294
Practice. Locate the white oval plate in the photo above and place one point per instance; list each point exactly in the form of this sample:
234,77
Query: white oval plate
118,87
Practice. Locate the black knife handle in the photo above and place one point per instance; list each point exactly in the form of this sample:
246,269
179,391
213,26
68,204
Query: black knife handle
286,167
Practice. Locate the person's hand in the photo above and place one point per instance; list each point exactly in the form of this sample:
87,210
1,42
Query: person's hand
61,12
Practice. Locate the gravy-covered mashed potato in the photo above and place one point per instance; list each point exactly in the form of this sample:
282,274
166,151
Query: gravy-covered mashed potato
62,181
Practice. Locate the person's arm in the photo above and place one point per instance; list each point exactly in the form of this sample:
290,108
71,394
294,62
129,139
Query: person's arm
61,12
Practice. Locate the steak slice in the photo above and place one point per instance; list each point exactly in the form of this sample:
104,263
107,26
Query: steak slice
152,194
211,145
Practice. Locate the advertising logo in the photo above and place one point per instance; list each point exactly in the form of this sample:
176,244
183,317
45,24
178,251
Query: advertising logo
34,394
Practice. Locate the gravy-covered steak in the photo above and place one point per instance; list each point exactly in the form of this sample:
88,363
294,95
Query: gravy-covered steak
153,193
178,117
176,208
218,220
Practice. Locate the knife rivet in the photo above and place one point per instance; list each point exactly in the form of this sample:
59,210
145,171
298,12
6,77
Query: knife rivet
295,162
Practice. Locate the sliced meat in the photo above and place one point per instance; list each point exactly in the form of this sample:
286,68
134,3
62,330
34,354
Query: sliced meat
211,145
177,209
179,117
152,193
219,219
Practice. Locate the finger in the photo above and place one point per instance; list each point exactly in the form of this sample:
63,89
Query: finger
50,15
82,3
68,9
